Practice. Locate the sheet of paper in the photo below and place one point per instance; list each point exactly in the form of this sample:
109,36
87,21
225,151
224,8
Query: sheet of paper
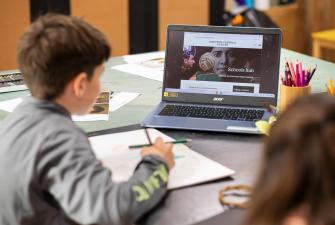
142,71
148,65
90,117
121,99
138,58
99,111
10,105
190,168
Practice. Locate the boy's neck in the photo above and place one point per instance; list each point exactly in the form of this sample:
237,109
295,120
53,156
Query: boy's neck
70,102
65,104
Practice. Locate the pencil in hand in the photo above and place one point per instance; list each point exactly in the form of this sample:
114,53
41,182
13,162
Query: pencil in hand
180,141
147,135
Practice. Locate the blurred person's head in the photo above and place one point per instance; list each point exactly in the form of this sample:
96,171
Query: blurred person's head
298,172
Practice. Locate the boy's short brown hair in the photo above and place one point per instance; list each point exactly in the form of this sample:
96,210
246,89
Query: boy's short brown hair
55,49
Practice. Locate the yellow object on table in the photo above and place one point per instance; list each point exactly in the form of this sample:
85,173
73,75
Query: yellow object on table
323,39
265,126
330,88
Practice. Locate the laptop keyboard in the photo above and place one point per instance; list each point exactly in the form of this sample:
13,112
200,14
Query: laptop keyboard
212,112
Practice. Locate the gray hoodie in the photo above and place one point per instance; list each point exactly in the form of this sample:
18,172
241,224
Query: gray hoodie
50,175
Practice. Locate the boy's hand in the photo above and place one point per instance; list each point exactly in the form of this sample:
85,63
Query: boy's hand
162,149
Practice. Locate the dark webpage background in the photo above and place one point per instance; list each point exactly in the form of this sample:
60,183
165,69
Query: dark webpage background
268,61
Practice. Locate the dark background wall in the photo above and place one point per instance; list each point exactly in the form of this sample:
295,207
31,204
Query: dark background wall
143,26
40,7
143,19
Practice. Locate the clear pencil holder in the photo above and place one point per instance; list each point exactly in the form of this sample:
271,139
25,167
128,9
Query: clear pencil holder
289,94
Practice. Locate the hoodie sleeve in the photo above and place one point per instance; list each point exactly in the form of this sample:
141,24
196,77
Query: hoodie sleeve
68,170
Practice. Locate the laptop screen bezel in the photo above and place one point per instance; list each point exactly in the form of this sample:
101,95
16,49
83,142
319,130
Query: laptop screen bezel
227,100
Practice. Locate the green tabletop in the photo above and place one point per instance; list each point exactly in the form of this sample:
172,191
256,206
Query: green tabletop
150,90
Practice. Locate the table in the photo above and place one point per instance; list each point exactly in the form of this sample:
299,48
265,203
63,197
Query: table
241,153
189,205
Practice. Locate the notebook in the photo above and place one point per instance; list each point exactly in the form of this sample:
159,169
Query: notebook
218,78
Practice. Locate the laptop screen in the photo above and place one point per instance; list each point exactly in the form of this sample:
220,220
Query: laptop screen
235,66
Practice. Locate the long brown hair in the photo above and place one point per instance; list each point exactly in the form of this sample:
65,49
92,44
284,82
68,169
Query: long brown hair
298,165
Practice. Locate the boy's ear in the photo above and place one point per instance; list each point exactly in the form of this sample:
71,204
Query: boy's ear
79,84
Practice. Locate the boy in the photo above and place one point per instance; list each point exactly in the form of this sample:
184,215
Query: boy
48,172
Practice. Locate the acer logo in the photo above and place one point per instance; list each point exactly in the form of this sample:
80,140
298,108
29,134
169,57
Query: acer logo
217,99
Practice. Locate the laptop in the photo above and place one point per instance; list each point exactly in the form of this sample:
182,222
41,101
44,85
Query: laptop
218,78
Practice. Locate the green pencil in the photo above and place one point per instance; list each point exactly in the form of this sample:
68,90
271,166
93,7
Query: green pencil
180,141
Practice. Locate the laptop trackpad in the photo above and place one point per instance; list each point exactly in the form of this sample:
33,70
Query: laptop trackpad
239,128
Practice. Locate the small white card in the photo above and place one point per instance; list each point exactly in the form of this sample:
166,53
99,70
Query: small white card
121,99
148,65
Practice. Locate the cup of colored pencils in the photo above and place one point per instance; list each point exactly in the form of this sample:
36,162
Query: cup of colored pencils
295,83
